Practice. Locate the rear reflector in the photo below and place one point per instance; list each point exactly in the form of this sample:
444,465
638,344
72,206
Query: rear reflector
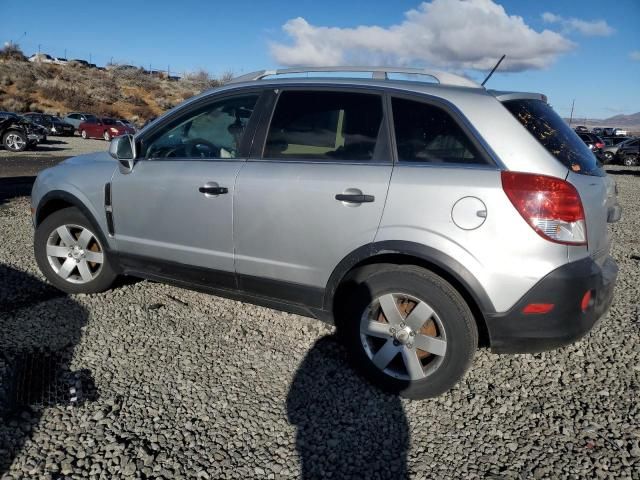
538,308
551,206
586,301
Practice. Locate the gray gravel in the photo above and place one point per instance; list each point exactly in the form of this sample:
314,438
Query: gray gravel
195,386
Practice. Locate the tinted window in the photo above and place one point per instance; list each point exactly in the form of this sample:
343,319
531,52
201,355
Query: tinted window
214,131
108,121
426,133
325,126
554,134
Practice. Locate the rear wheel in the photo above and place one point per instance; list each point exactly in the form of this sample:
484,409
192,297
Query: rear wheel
630,160
71,254
15,141
408,331
83,134
107,136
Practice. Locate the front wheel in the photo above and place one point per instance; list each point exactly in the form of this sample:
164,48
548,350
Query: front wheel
408,331
15,141
630,160
83,134
608,156
107,136
71,254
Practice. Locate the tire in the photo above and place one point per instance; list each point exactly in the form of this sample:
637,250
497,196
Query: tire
65,244
442,323
15,141
107,136
608,156
630,161
83,134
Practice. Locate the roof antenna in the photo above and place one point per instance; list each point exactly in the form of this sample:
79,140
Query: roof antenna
493,70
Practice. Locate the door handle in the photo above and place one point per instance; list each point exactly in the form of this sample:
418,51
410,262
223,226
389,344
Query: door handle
355,198
211,190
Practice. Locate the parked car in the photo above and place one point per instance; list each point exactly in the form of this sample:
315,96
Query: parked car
54,125
594,143
620,132
104,127
76,118
611,148
479,229
596,131
608,131
18,133
127,123
581,129
629,152
37,129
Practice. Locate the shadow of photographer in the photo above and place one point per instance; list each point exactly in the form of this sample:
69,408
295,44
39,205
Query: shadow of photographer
346,428
39,329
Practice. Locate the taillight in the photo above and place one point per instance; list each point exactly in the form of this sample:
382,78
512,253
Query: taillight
599,145
551,206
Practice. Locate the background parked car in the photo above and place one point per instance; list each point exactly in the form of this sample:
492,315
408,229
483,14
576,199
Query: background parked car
581,129
620,132
18,133
76,118
629,152
596,131
106,128
608,131
594,142
54,125
612,144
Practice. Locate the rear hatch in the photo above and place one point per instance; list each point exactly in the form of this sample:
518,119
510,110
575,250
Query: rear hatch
584,171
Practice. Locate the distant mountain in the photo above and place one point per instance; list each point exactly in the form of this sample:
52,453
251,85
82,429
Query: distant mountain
632,120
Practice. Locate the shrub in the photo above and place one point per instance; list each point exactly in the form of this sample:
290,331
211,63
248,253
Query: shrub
11,51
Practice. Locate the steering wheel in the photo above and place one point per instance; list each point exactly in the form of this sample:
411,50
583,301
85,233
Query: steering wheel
193,152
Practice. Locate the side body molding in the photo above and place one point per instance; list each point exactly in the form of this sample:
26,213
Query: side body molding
441,262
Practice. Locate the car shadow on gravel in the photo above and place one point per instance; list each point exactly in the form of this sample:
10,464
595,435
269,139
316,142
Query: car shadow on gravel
346,428
12,187
626,171
39,329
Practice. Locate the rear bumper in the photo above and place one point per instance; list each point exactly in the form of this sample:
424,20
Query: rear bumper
565,287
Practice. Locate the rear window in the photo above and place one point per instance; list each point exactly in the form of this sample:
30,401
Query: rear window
555,135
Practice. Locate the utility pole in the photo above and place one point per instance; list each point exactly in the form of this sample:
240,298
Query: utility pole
571,117
38,49
90,59
65,53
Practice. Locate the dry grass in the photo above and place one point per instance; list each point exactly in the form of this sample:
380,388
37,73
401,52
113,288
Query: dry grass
125,93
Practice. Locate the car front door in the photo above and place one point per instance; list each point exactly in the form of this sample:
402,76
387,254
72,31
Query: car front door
312,192
173,212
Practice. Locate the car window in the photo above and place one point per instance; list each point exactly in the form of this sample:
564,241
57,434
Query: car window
426,133
553,133
214,131
108,121
325,126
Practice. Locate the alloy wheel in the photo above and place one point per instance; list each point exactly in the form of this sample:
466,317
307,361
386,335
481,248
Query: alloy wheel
75,253
14,142
403,336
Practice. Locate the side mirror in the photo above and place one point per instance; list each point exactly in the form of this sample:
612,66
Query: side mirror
123,149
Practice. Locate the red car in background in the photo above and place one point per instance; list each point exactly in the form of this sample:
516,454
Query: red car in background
106,128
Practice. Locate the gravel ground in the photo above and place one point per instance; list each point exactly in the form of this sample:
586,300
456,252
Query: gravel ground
195,386
45,155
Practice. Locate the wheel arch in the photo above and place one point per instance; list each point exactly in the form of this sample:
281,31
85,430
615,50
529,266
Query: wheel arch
56,200
410,253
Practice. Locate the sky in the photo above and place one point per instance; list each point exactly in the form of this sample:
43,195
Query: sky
584,50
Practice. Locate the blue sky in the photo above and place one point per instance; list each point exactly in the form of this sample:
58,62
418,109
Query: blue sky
587,57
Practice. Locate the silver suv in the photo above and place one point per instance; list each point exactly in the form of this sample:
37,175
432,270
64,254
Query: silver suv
425,219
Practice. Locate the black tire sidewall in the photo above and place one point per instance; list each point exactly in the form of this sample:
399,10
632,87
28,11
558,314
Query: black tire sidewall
65,217
458,321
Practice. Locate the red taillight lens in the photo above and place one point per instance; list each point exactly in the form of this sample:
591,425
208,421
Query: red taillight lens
599,145
551,206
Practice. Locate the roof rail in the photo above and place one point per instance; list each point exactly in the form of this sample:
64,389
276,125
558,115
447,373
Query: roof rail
377,73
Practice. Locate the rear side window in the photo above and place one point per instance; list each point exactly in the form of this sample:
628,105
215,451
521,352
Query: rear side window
325,126
428,134
554,134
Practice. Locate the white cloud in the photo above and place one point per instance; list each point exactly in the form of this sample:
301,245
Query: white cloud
590,28
635,55
453,34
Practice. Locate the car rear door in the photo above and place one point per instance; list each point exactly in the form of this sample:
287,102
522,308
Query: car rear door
173,214
312,191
